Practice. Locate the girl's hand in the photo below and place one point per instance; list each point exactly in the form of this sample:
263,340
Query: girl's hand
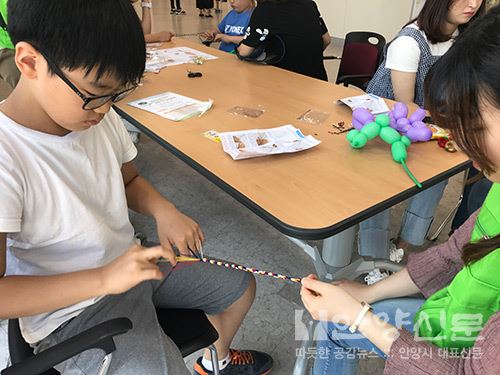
136,265
362,292
328,302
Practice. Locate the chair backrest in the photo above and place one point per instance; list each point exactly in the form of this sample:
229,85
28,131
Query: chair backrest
362,53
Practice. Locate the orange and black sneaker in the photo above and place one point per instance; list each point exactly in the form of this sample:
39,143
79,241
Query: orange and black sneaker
242,362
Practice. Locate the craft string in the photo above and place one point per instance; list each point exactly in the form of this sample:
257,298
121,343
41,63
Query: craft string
240,268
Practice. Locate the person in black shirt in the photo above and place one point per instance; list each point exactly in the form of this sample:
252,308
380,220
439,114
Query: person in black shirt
296,27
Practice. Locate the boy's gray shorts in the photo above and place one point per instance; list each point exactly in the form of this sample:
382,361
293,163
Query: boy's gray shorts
145,349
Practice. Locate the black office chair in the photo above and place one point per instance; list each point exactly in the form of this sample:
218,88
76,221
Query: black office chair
191,332
361,56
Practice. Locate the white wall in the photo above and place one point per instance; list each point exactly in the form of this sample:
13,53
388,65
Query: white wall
385,17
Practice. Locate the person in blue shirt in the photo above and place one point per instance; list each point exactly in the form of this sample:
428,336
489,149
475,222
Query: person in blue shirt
231,30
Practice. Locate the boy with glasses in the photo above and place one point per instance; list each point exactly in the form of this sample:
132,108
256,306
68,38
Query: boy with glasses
68,260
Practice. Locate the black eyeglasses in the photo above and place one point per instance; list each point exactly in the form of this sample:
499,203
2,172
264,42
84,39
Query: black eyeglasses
89,102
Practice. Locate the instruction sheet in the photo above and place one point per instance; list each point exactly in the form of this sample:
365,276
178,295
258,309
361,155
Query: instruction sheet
375,104
158,59
172,106
262,142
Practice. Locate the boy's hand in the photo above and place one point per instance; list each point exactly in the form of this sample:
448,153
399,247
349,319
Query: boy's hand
220,37
136,265
328,302
179,230
361,292
208,35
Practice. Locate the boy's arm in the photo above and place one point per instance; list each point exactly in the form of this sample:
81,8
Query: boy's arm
235,39
174,228
31,295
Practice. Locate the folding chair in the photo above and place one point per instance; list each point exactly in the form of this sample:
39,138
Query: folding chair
361,56
190,330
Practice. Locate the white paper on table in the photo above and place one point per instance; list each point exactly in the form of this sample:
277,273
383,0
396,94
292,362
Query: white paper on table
158,59
375,104
173,106
262,142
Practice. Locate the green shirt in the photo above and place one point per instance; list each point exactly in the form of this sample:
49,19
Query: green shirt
5,41
454,316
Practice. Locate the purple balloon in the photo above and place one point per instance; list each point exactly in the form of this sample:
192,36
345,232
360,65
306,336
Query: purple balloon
418,124
419,134
393,124
400,110
402,124
362,115
357,124
418,115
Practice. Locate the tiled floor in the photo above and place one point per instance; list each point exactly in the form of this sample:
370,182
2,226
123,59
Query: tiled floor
234,233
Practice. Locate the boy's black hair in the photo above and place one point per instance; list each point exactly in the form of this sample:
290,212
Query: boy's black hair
82,34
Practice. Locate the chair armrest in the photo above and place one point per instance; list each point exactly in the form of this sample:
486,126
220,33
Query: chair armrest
332,58
343,79
98,337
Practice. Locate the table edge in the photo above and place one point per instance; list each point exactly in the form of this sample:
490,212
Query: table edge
289,230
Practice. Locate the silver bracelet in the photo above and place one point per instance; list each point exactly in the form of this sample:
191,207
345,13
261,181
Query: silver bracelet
146,4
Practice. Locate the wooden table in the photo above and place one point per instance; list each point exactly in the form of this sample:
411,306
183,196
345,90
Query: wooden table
312,194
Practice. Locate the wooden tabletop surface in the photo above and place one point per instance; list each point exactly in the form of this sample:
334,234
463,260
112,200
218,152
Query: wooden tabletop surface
311,194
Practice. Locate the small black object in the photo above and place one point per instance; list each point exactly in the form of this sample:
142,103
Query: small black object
428,120
194,74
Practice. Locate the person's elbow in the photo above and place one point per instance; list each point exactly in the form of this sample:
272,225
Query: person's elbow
244,50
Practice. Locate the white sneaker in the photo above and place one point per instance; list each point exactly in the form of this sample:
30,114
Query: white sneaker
395,255
375,276
134,136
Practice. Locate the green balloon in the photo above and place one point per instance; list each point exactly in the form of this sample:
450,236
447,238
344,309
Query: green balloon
351,134
359,141
398,150
371,130
389,135
383,120
406,140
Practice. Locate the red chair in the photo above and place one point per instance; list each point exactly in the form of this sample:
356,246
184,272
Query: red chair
361,56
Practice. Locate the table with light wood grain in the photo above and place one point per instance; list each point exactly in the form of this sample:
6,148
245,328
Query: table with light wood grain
311,194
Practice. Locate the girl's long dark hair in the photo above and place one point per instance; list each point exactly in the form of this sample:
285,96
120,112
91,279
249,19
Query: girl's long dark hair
434,14
458,87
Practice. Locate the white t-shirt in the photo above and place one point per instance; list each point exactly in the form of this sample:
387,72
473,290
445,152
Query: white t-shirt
63,204
403,53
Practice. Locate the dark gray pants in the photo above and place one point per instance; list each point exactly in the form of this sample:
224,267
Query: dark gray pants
145,349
